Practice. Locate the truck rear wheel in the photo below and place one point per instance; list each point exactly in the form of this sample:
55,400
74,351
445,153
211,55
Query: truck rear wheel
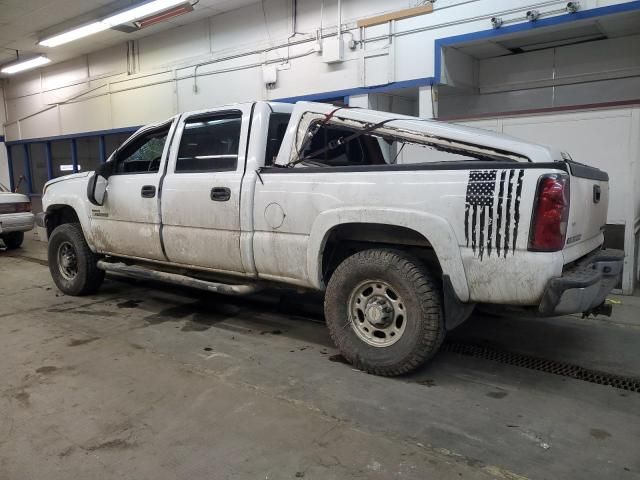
13,240
384,312
72,264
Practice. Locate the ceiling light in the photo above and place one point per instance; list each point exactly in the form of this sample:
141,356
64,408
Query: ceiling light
126,16
162,16
141,11
25,65
74,34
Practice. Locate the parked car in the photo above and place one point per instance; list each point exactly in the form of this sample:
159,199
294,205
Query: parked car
405,224
15,217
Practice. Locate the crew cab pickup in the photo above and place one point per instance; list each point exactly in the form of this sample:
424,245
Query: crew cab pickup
405,224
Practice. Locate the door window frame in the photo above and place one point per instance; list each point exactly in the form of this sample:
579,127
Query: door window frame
141,133
244,110
230,113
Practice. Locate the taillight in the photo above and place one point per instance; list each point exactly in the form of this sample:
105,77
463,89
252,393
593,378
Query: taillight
23,207
15,207
551,214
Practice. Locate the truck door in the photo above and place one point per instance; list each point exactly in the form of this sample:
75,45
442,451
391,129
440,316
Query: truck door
201,190
128,223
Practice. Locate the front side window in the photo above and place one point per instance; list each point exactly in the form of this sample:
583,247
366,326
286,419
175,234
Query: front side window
143,154
210,143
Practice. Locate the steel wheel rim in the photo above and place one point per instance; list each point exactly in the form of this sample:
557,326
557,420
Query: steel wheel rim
67,261
377,313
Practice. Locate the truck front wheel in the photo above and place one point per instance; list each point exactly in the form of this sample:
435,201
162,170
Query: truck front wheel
72,264
384,312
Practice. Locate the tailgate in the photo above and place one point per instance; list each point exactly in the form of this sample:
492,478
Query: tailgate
589,190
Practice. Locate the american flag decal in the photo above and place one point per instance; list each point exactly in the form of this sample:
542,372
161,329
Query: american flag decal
492,211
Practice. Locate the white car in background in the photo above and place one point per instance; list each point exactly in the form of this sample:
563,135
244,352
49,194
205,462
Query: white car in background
15,217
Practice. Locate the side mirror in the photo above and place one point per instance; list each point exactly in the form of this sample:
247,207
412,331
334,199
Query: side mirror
97,186
97,189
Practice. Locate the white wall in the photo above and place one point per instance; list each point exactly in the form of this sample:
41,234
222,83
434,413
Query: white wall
96,92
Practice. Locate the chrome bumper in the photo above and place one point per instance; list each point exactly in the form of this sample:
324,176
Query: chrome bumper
16,222
585,285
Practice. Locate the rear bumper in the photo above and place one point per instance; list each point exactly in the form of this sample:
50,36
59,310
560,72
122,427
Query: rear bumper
16,222
585,285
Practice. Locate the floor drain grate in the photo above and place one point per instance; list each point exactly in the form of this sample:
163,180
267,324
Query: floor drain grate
542,365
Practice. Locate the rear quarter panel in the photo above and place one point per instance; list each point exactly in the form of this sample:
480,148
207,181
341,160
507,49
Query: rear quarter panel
477,221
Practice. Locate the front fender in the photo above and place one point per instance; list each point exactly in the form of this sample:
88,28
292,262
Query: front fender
435,229
71,193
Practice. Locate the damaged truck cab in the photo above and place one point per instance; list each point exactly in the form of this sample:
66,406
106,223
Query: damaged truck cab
405,224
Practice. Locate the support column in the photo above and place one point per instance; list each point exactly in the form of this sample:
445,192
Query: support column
428,101
102,149
74,155
47,156
10,167
27,168
361,101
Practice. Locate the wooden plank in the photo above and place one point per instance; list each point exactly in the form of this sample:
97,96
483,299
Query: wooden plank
399,15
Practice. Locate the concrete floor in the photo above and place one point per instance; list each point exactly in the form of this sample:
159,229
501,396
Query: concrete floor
149,381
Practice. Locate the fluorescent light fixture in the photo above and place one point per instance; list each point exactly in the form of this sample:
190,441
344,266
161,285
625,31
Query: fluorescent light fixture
26,65
74,34
164,15
140,11
126,16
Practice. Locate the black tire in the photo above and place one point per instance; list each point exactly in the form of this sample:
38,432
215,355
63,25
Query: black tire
411,282
13,240
88,277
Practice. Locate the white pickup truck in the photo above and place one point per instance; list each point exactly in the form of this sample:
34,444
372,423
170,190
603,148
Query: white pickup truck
405,224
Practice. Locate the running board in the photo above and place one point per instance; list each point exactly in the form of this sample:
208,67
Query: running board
146,274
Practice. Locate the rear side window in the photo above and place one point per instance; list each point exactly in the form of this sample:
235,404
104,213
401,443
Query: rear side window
336,146
278,123
210,144
143,154
328,147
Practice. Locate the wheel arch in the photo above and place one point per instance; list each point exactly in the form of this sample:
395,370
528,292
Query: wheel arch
372,227
58,214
